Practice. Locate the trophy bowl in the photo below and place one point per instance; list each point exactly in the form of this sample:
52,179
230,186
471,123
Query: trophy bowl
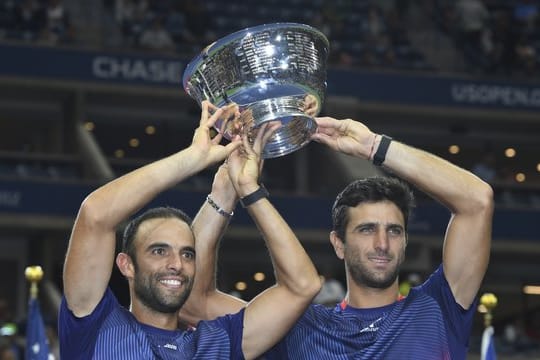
274,72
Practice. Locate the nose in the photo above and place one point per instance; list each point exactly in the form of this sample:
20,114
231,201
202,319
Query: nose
381,242
175,262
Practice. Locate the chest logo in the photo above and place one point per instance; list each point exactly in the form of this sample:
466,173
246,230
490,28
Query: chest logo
170,346
372,327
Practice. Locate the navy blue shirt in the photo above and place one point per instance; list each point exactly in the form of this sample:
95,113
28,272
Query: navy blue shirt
427,324
112,332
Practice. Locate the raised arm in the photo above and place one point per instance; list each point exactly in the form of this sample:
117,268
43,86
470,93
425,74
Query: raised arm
272,313
206,302
90,255
469,199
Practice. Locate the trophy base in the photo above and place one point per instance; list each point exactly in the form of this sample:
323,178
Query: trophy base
296,126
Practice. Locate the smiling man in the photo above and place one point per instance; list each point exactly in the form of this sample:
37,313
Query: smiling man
158,260
158,284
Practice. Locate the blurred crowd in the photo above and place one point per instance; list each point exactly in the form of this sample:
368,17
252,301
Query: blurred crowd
493,36
44,22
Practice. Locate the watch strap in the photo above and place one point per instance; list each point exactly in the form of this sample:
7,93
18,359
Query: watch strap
380,154
258,194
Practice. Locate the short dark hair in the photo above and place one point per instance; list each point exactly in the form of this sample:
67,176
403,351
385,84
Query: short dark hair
153,213
369,190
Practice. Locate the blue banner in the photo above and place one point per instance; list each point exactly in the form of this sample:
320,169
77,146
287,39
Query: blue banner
166,71
488,345
62,64
433,90
37,345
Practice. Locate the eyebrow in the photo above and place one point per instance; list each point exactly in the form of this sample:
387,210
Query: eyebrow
165,245
393,226
375,223
158,245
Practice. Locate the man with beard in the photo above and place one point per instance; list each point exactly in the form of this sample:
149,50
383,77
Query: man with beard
158,260
370,234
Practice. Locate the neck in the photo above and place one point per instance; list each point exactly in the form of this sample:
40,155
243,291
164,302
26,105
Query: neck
367,297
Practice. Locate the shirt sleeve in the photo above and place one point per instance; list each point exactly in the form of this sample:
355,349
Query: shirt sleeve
233,324
458,320
78,335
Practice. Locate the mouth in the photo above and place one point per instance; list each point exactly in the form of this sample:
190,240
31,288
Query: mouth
380,260
172,283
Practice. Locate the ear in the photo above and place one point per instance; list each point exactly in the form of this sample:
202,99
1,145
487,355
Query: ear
337,244
125,265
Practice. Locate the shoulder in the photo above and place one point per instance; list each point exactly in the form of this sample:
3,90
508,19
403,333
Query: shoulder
434,283
316,314
437,290
107,304
82,335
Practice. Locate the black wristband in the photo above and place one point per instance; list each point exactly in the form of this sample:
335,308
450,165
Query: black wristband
257,195
380,155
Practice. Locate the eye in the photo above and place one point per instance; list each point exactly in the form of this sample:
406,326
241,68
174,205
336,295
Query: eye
395,230
159,251
189,254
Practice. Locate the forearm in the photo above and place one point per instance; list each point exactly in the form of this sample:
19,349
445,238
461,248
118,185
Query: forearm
209,225
292,265
456,188
297,283
114,202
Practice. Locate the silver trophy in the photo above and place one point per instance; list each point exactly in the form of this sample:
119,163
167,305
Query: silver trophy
273,72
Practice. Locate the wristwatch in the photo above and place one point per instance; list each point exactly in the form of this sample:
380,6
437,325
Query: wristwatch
258,194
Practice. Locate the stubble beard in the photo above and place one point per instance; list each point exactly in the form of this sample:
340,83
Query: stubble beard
363,276
149,292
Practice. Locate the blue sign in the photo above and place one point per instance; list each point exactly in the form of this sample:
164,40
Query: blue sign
163,71
433,90
62,64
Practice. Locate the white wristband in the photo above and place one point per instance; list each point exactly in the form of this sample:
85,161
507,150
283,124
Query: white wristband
218,208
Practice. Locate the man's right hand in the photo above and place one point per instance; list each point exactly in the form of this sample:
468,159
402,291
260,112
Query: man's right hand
208,148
